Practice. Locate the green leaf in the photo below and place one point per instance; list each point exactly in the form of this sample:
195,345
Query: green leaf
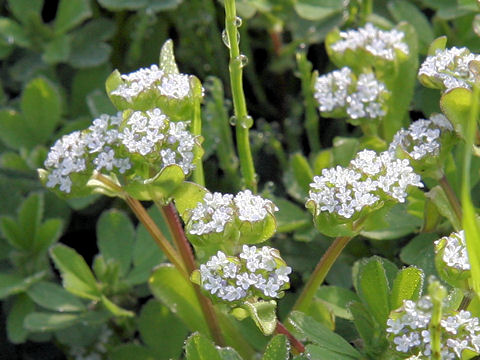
156,319
115,238
322,336
53,297
167,58
301,171
88,46
41,107
439,198
173,290
57,50
99,103
12,232
397,223
115,309
47,234
419,252
363,322
290,217
131,351
29,219
316,352
42,321
456,105
71,13
318,10
26,10
146,254
187,196
14,131
228,354
77,276
406,11
198,347
277,349
11,33
22,306
338,299
11,284
407,286
373,288
263,314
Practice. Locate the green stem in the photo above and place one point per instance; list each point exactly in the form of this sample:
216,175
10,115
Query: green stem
311,117
170,214
225,149
437,293
237,61
467,299
198,175
452,198
321,270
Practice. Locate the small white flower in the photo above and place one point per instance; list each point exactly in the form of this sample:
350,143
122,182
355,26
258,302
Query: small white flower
450,67
455,252
377,42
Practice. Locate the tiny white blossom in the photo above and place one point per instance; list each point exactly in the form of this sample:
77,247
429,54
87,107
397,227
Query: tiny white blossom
379,43
450,67
455,251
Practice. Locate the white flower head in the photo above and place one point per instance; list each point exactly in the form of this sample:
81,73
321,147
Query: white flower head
152,134
378,43
368,179
360,98
217,210
408,329
66,157
449,68
256,272
454,250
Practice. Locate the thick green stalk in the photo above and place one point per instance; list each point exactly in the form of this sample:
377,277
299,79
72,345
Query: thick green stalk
198,175
170,214
321,270
311,117
243,121
437,294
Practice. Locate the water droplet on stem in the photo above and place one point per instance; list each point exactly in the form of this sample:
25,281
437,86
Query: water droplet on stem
242,59
233,120
246,122
238,21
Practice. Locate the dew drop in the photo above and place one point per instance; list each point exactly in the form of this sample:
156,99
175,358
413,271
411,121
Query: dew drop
225,38
233,120
238,21
246,122
242,59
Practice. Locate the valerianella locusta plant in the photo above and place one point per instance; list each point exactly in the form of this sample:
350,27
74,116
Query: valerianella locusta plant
133,147
254,273
448,69
451,259
425,143
227,221
409,333
341,93
377,42
342,195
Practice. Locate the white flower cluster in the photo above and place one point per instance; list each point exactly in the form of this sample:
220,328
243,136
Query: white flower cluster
217,210
151,133
422,137
255,272
72,153
450,68
97,147
377,42
410,333
455,251
175,86
362,98
368,179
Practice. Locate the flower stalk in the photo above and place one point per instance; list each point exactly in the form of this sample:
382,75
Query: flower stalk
242,120
321,270
170,214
